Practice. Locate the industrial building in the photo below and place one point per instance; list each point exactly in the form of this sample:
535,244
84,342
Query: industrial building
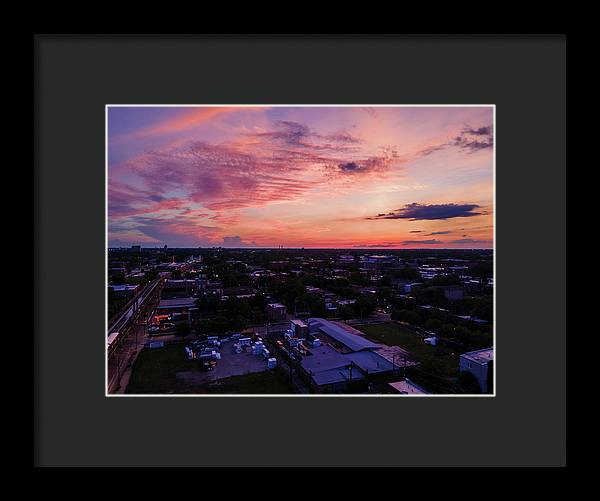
338,359
179,305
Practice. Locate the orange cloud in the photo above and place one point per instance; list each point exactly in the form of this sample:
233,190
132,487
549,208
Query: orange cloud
190,119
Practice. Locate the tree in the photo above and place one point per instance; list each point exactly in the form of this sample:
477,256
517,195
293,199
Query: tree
396,314
182,328
446,331
409,316
208,303
357,278
346,312
431,295
463,335
315,304
446,280
468,382
364,306
235,279
407,273
484,308
433,325
118,279
412,317
384,294
482,271
462,306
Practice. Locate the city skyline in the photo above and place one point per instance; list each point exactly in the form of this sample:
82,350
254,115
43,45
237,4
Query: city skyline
300,177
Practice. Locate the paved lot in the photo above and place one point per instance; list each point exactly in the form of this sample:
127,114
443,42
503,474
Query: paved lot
231,364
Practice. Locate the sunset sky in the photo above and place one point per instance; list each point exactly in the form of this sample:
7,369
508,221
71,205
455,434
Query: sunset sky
347,177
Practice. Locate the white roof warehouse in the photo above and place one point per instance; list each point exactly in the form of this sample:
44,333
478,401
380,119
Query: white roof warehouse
349,358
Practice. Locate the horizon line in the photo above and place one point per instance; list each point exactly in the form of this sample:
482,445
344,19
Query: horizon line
308,248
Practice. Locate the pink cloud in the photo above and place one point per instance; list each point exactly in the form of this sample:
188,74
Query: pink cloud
189,119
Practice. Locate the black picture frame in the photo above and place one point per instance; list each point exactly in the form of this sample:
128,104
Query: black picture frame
77,75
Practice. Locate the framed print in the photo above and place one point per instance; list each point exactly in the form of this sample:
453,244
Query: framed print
246,237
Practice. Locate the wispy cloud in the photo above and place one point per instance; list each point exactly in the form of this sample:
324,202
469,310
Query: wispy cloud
189,119
422,242
470,241
469,139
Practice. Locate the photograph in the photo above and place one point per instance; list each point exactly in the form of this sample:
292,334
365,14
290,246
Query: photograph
300,250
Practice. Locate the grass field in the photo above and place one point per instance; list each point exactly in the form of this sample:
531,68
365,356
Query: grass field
267,382
154,372
438,367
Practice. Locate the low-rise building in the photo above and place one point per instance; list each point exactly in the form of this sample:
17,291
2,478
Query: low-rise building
276,312
178,305
210,288
408,288
453,292
240,292
299,328
479,363
179,288
378,261
407,387
123,290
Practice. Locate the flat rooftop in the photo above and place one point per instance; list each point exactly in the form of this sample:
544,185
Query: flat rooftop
121,288
480,356
239,291
326,365
408,387
184,302
341,335
299,322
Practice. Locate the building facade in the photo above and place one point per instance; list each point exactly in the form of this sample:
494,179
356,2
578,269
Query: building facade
480,364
